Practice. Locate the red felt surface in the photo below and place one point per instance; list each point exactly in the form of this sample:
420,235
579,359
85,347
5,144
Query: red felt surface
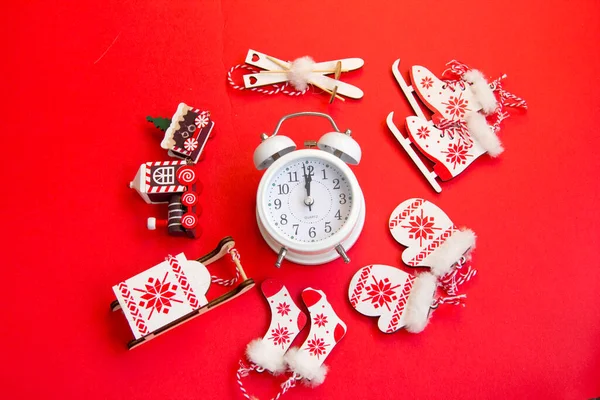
78,81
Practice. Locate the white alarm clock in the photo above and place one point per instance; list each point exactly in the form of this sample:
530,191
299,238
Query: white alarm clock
309,206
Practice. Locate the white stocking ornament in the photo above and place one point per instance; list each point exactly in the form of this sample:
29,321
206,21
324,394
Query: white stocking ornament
287,320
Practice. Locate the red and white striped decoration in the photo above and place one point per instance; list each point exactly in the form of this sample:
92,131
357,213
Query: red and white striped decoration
276,88
235,256
398,218
416,261
183,282
393,326
362,280
133,308
243,371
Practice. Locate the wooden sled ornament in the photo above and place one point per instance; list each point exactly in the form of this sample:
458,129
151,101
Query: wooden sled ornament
175,183
174,291
299,73
186,133
467,112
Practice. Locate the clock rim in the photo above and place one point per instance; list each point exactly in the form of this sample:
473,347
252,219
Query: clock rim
330,242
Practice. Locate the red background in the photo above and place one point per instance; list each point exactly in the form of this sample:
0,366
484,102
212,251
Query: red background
75,134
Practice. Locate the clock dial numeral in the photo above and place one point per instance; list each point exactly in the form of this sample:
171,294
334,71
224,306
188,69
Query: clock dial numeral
295,216
284,188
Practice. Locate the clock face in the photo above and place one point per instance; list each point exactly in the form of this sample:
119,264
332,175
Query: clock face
308,200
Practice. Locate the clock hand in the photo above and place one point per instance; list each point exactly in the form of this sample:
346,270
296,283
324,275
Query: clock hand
308,200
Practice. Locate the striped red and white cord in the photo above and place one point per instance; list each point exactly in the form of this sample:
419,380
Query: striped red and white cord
235,256
276,88
243,371
455,278
454,127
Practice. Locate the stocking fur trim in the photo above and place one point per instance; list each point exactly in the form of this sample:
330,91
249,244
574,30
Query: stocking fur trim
419,302
482,90
265,356
299,361
449,252
483,134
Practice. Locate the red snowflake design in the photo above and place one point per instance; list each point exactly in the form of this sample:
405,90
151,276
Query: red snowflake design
158,295
280,336
457,154
381,293
283,308
316,346
456,106
421,227
423,132
320,320
427,82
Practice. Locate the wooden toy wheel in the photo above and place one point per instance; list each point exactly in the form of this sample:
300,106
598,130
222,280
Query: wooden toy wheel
189,220
186,175
189,198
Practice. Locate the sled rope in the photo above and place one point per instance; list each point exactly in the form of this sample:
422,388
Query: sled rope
235,255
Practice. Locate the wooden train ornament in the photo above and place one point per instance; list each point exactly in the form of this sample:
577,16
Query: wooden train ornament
175,291
467,112
187,133
175,183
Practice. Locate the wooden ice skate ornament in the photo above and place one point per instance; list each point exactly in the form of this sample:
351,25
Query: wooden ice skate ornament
299,73
467,112
175,291
175,183
186,133
305,363
432,240
310,208
400,300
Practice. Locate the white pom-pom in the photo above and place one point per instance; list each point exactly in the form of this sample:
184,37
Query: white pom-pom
265,356
300,71
300,362
484,134
448,253
419,302
482,90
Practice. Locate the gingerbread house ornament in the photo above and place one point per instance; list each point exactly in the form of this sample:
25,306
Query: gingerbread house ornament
188,133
